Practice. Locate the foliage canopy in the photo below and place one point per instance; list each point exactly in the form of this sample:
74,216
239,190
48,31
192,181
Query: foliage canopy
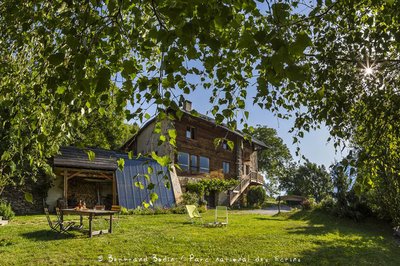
61,60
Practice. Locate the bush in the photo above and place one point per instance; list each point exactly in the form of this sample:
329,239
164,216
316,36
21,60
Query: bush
256,196
124,211
189,198
6,210
202,209
327,204
160,210
308,204
179,210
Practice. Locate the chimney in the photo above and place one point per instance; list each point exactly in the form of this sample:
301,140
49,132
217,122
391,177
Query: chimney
187,106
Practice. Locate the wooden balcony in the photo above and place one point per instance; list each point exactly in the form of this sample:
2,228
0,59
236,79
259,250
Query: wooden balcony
254,178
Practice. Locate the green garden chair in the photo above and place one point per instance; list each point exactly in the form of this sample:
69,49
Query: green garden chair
193,213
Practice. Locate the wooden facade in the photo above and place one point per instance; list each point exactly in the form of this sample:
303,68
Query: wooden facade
196,137
202,145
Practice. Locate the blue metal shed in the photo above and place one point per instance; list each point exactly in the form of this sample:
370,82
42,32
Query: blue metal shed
131,196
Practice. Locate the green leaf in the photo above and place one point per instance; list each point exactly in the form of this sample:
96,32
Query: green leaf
153,197
130,155
320,93
145,204
60,90
28,197
301,43
121,164
56,59
129,67
103,79
172,133
102,111
150,170
162,160
91,155
150,186
139,184
163,138
231,144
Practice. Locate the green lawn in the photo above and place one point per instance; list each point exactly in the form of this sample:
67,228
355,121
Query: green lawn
312,238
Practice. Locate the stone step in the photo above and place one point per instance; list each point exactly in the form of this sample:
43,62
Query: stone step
3,222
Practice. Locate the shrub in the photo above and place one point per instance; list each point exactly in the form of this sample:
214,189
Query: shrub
308,204
6,210
327,204
202,209
179,210
160,210
124,211
256,196
189,198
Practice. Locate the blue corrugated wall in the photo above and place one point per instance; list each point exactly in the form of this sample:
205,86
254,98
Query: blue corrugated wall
130,196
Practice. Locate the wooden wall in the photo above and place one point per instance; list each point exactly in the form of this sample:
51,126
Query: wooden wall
203,145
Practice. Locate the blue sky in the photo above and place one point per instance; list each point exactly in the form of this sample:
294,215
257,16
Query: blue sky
313,146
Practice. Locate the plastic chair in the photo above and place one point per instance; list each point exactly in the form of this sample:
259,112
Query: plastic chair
221,215
193,213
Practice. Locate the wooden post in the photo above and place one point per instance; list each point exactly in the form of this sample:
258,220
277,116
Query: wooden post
114,189
90,224
279,204
65,188
110,227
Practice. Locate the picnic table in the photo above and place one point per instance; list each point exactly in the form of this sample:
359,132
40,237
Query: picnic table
90,213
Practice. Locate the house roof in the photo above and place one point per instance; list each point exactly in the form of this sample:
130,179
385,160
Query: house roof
203,117
74,157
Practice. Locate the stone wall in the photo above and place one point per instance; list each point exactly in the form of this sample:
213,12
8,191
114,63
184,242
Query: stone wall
16,196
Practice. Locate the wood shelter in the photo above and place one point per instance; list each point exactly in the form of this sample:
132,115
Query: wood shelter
74,166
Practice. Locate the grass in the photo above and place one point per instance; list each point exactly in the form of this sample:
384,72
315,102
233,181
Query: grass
309,237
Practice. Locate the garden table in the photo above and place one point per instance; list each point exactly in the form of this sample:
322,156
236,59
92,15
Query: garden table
90,214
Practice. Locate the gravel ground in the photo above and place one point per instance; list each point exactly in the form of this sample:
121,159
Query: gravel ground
267,211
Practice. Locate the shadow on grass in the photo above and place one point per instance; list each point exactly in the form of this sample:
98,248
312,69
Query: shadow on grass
362,251
47,235
268,219
339,241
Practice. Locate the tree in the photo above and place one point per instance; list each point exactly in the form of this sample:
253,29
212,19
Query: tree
307,180
274,159
342,183
107,132
336,63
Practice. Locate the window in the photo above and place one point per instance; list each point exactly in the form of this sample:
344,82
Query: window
225,145
204,165
190,132
194,165
183,161
225,167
